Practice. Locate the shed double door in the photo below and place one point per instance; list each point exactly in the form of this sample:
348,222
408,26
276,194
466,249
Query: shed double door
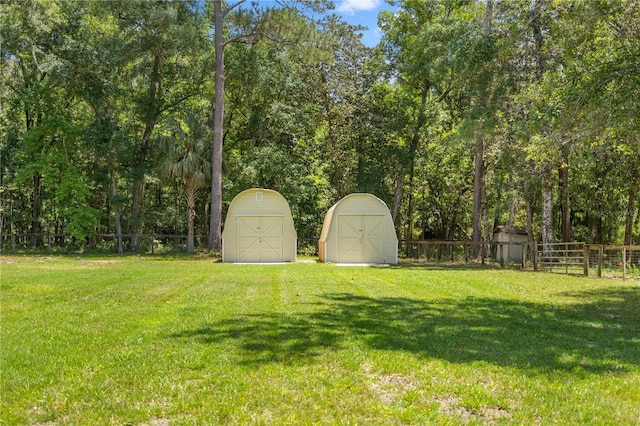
259,239
361,239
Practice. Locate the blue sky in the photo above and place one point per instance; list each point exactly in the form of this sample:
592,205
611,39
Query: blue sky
357,12
363,12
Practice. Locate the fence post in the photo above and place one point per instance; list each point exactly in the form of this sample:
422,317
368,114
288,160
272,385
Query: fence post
624,263
586,260
600,259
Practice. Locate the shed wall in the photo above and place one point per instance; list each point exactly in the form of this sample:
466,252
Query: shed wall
259,228
511,249
354,213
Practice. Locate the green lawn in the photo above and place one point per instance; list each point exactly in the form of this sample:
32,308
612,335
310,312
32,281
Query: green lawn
164,341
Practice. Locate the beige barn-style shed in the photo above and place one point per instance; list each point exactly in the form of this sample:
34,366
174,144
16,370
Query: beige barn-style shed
511,242
358,229
259,228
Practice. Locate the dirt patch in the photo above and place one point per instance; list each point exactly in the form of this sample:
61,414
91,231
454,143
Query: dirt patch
391,387
100,262
452,405
388,387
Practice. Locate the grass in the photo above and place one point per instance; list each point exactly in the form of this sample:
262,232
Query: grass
186,340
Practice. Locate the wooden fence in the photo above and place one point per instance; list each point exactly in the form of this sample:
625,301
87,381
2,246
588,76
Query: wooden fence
574,258
109,243
462,251
568,258
55,242
613,260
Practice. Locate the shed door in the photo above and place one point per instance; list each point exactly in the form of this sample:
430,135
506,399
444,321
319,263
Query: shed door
271,239
259,238
350,239
361,239
374,243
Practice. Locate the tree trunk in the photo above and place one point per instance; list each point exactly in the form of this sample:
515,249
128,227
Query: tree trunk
513,203
215,224
36,211
138,190
192,196
150,117
564,195
529,209
117,214
638,220
478,177
487,230
596,229
413,147
547,212
633,193
136,209
478,173
397,198
409,235
538,36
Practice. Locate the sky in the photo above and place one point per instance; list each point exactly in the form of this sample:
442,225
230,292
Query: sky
363,12
358,12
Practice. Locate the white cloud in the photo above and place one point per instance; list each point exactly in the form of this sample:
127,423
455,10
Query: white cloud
353,6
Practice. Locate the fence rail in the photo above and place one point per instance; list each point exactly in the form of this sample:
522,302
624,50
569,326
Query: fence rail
568,258
574,258
149,243
612,260
608,259
462,251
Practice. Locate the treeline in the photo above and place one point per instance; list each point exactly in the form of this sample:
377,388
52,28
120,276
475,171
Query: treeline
467,115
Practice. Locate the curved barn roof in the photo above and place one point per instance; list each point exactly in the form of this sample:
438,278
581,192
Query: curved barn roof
358,229
259,228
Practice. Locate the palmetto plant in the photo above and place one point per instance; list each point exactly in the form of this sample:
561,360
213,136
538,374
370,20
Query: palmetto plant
184,152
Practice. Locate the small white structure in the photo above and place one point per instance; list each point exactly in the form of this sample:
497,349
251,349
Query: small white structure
358,229
511,242
259,228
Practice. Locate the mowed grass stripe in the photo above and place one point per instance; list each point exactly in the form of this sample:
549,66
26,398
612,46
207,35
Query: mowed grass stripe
152,340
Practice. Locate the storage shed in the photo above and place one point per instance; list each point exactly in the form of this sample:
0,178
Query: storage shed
511,242
358,229
259,228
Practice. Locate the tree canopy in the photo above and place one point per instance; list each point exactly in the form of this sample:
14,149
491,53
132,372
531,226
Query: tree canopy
467,115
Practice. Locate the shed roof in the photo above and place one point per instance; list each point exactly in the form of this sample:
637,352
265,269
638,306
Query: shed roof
259,228
346,200
510,230
358,229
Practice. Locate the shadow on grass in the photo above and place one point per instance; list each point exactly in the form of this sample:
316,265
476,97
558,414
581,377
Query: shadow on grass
446,266
598,332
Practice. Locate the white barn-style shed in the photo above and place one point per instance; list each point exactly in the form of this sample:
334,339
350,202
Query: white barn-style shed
511,242
259,228
358,229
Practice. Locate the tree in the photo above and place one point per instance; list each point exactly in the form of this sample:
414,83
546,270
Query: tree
184,157
603,102
164,42
29,40
279,24
479,166
442,52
